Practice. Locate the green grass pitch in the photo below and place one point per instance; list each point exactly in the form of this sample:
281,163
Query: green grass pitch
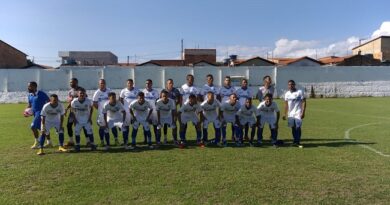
328,170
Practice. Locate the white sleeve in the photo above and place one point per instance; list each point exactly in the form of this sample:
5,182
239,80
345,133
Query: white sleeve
95,97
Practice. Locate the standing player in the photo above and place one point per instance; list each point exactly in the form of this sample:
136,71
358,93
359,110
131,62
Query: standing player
188,89
229,110
294,111
210,114
72,94
174,94
246,116
81,109
151,96
141,112
114,116
225,92
52,117
99,99
266,88
268,112
127,96
36,100
243,94
189,113
166,112
209,87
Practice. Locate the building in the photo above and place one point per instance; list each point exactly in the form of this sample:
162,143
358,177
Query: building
303,61
352,60
192,56
88,58
256,61
378,47
171,63
11,57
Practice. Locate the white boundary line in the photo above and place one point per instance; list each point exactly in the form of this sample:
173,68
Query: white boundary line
347,137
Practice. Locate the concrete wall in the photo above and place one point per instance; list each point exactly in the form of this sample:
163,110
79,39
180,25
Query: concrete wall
337,81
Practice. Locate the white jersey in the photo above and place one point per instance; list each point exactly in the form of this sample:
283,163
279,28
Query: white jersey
229,110
206,88
101,97
294,100
263,91
165,108
114,112
247,113
225,93
82,109
210,111
243,94
267,111
53,114
186,91
141,112
128,96
189,111
151,96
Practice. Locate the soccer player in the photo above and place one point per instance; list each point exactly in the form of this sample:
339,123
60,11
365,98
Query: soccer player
268,112
188,89
141,112
36,100
114,116
151,96
82,109
209,87
246,116
52,115
174,94
228,112
99,98
244,93
72,94
210,114
166,112
226,90
189,113
294,111
266,88
127,96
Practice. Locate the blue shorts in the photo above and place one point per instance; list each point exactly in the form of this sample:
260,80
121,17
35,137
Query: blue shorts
36,123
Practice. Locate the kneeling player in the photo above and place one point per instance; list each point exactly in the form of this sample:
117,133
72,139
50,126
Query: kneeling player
246,116
82,111
268,113
114,116
52,117
141,111
210,114
189,113
228,112
166,112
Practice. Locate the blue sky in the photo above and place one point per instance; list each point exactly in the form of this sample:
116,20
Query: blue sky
153,29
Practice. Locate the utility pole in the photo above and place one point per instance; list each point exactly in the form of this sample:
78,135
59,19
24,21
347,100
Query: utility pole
182,49
128,59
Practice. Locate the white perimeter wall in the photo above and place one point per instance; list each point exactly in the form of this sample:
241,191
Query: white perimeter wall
325,81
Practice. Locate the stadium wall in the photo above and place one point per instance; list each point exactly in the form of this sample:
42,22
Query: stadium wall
316,81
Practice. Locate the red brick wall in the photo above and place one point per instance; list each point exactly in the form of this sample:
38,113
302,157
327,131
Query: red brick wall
11,58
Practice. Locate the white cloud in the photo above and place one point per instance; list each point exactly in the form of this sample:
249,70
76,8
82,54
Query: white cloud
384,30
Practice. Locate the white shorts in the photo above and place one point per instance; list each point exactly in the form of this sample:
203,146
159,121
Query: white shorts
167,121
216,123
294,122
193,118
79,126
249,121
100,120
127,121
144,123
115,123
52,124
270,121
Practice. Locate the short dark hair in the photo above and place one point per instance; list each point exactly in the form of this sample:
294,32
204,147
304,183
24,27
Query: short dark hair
192,96
267,76
141,94
54,96
210,92
111,94
244,79
210,76
291,81
228,76
74,79
102,80
189,75
81,89
269,95
170,79
33,83
164,92
149,80
130,80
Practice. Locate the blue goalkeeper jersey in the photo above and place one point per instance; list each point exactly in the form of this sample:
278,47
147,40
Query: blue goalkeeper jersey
37,100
